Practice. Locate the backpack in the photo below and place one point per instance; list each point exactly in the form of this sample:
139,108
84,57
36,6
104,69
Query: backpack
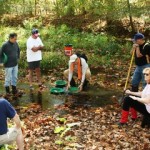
147,57
82,56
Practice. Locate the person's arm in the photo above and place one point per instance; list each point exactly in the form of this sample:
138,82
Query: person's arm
139,94
145,100
69,75
41,46
18,51
84,68
138,53
35,49
17,121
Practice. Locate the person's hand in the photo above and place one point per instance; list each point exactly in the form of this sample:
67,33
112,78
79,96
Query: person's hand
80,87
128,92
133,97
135,45
68,86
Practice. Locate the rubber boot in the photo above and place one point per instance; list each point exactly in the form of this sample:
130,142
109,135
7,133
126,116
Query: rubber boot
72,82
124,117
7,90
134,89
14,90
133,113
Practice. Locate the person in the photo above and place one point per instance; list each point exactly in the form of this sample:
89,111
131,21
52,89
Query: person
79,67
9,135
142,54
34,56
140,101
12,51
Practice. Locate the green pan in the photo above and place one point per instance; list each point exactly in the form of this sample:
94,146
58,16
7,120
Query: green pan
60,83
4,58
73,90
57,90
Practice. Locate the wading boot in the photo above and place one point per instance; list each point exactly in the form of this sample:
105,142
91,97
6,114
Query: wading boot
8,94
124,118
133,114
14,90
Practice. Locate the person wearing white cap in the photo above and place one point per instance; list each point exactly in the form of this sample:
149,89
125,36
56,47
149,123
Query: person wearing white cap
34,56
79,67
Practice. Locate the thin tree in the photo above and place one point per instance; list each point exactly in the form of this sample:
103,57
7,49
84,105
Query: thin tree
130,15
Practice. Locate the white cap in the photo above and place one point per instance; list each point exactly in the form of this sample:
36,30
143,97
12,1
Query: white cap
73,58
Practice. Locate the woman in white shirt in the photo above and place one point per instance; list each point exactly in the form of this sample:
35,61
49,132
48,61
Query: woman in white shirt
139,101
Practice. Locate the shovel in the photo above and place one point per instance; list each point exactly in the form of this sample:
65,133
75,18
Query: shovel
127,79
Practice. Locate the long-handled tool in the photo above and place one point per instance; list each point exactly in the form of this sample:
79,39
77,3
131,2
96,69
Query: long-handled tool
127,79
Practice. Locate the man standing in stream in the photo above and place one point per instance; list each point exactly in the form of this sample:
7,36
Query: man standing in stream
34,56
12,51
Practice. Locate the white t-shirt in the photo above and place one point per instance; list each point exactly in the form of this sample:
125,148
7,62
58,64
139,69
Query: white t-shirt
146,93
33,56
84,67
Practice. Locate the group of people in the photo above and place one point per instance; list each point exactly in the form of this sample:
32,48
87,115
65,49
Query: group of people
134,101
138,101
12,51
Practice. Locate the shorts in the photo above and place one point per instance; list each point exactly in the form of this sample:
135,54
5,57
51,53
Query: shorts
33,65
10,136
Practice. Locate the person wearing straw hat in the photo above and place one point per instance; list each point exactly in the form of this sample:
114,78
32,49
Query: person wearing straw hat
12,52
79,67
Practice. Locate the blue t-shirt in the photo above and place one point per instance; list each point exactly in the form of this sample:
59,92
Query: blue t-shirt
6,111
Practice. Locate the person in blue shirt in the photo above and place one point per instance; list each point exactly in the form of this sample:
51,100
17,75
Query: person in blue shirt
9,135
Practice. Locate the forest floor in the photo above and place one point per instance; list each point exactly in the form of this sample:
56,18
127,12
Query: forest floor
75,125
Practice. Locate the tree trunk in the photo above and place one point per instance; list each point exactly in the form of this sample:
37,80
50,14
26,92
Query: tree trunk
130,16
35,7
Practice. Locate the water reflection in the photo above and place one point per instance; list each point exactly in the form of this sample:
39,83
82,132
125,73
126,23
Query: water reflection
35,97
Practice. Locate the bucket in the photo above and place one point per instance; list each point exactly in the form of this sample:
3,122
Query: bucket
4,58
68,49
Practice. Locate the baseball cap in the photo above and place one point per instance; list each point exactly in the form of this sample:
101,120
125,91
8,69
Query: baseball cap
35,32
138,36
73,58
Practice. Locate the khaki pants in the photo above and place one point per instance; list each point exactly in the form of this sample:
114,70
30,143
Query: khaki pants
10,136
87,74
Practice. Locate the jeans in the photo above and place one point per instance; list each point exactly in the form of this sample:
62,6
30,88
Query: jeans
138,75
11,76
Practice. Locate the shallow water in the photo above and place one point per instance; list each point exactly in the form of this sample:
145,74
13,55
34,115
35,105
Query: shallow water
93,97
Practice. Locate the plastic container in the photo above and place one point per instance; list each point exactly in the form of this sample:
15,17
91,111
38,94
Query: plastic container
60,83
3,58
73,90
57,90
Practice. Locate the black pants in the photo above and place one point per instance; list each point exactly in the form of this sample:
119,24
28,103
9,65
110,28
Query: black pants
138,106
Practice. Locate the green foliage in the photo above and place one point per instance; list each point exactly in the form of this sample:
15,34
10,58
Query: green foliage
53,60
103,47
